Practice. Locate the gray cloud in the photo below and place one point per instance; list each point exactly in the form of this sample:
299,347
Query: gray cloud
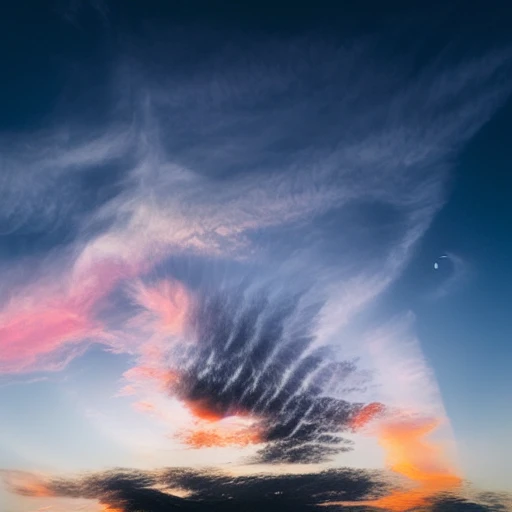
253,352
157,491
213,490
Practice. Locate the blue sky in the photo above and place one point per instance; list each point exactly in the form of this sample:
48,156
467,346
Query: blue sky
469,327
255,247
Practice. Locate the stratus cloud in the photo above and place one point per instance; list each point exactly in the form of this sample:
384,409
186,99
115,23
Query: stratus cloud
201,490
130,491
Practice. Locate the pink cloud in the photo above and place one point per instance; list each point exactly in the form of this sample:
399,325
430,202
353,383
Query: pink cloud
144,406
164,309
165,306
27,335
44,325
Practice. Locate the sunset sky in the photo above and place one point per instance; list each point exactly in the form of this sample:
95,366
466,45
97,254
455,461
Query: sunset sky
255,256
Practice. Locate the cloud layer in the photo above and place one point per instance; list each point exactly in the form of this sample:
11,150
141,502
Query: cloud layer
189,489
225,230
220,164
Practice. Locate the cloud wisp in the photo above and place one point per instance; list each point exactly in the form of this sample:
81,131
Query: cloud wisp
200,197
224,233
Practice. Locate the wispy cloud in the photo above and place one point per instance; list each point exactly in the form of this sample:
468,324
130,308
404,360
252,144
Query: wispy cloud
171,202
304,171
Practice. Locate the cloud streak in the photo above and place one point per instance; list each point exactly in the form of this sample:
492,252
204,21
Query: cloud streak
170,202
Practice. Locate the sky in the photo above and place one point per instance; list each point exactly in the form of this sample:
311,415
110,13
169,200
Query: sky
255,256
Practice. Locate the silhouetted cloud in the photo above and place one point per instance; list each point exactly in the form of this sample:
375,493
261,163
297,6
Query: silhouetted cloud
187,489
451,503
134,491
254,356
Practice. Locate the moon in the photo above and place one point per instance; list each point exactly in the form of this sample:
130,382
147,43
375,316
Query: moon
436,264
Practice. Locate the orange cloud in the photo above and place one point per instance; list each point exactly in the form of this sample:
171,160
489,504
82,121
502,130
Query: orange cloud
127,391
411,454
202,410
27,484
237,430
220,438
367,414
32,485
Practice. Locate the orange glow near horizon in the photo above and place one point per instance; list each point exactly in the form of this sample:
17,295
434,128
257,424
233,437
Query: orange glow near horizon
107,508
410,454
38,486
26,484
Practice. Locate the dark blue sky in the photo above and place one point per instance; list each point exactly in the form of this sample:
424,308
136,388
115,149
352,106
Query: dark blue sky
470,329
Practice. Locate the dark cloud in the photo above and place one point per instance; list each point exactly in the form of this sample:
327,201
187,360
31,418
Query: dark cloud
448,503
186,489
305,489
136,491
254,355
